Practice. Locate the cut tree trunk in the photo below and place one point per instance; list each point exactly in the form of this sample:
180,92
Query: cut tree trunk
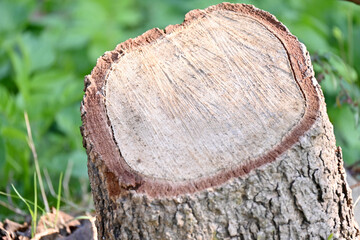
213,129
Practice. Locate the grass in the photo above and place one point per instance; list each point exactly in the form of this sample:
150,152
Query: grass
36,163
58,199
33,212
33,207
330,236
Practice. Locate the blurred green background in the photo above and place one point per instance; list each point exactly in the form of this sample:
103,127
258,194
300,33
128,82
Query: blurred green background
48,46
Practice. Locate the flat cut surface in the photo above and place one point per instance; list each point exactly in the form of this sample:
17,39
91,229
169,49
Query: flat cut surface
212,96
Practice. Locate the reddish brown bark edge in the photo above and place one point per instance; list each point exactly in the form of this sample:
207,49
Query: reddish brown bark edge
97,131
354,1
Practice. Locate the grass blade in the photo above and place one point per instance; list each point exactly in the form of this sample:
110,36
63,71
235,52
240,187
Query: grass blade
34,221
58,199
37,168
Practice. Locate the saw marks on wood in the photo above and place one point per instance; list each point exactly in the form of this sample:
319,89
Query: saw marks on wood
212,96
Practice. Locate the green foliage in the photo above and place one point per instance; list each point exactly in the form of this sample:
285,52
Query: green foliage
47,47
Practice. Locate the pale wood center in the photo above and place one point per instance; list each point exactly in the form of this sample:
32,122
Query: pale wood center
211,96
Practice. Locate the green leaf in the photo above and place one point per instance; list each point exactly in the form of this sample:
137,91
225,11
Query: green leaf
2,152
41,51
346,132
13,15
338,34
69,121
79,160
11,132
72,40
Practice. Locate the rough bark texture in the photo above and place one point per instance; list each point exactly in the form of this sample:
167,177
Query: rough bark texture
297,190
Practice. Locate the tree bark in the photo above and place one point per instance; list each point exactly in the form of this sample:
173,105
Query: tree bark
213,129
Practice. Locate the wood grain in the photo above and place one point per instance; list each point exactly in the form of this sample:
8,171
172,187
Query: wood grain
225,83
217,94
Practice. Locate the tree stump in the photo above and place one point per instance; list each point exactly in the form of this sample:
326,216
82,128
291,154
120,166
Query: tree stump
213,129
